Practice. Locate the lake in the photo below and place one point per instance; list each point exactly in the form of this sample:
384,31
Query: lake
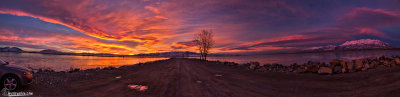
287,59
65,62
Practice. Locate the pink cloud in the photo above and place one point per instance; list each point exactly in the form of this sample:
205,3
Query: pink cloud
366,17
151,8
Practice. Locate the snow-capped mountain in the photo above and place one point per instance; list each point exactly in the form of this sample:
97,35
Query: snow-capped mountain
362,44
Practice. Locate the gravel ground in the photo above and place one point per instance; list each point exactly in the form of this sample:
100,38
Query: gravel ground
180,77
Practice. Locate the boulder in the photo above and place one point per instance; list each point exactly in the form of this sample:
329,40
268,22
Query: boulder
385,63
294,66
338,66
392,63
334,63
366,65
358,64
344,65
325,70
312,68
337,69
397,61
267,66
261,69
363,69
372,64
254,65
350,66
344,70
383,58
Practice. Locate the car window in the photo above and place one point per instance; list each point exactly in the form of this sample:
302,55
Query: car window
2,62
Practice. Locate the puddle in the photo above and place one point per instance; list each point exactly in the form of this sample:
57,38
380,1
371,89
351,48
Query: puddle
138,87
118,77
199,82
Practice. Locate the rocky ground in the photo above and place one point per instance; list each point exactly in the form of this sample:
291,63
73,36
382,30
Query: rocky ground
192,77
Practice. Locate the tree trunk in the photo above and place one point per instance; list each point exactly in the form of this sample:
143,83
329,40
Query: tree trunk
201,56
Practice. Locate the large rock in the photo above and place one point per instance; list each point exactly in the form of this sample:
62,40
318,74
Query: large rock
344,66
367,66
293,67
385,63
254,65
277,67
337,69
397,61
392,63
350,66
372,64
261,69
338,65
267,66
312,68
358,64
334,63
383,58
324,70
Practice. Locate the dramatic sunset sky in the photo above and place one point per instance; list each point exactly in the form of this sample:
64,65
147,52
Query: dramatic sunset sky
148,26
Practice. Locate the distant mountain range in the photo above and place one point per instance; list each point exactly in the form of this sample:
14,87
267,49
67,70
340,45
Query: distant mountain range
362,44
10,49
55,52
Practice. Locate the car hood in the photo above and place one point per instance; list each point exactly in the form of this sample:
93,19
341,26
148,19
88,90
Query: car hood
18,67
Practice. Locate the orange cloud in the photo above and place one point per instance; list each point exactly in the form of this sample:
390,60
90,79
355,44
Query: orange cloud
155,10
116,26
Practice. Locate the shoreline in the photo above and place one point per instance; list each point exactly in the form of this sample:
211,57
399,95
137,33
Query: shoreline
222,55
345,66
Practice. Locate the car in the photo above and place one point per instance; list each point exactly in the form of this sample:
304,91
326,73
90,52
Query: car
14,77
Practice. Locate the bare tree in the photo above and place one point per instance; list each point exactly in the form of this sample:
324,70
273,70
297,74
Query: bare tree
205,42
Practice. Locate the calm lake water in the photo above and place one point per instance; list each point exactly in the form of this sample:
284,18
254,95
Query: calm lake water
65,62
287,59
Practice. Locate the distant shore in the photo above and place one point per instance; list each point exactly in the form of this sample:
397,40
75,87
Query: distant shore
175,54
194,77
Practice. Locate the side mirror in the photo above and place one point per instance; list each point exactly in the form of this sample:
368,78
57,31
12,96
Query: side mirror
7,63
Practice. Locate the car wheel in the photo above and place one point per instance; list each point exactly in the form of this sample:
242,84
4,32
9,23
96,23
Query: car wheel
11,83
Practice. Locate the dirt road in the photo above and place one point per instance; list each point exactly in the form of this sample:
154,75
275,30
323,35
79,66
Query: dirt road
193,78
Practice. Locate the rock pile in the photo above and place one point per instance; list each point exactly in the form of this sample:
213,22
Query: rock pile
334,66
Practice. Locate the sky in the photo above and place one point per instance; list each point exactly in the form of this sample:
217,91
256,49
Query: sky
239,26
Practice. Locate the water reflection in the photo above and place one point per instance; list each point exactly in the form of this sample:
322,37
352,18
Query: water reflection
65,62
